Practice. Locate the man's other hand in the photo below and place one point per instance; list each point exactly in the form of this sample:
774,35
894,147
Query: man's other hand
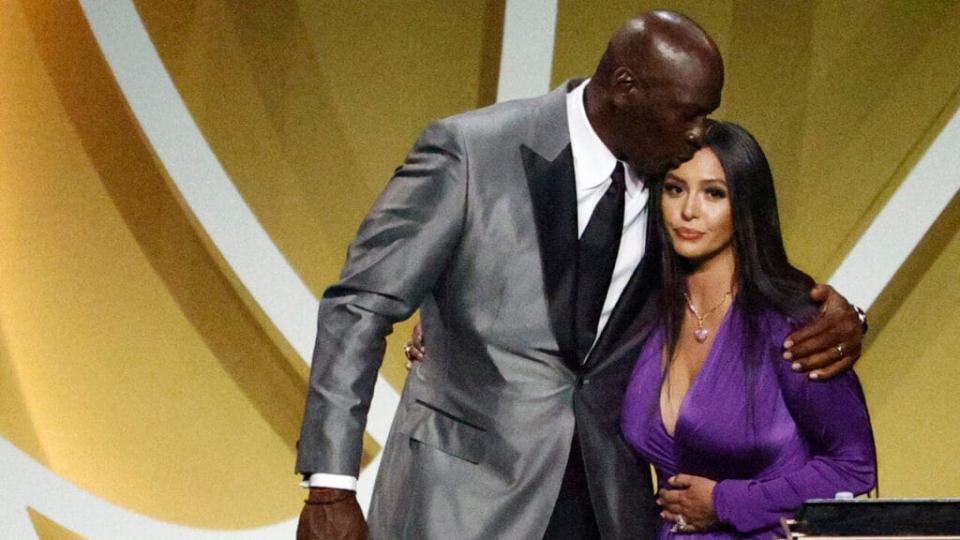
831,343
331,514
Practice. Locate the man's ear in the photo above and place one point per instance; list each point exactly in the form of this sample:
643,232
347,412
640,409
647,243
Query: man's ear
623,76
622,84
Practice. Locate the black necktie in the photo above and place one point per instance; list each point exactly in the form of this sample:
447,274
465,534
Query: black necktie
596,256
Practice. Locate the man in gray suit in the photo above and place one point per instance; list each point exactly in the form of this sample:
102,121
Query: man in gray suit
519,230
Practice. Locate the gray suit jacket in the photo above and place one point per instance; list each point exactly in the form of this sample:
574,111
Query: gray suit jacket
478,228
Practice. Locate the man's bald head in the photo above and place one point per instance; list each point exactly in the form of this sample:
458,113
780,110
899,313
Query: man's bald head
658,79
660,39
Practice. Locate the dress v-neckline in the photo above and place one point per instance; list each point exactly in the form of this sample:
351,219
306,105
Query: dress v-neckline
721,333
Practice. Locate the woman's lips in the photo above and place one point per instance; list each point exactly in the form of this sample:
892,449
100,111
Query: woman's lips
688,234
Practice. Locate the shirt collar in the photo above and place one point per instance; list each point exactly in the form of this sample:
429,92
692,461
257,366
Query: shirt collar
593,162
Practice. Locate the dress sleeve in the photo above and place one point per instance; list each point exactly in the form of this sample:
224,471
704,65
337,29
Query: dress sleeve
832,418
401,249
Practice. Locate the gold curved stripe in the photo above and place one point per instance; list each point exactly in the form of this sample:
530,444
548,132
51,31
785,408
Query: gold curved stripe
16,422
214,425
47,528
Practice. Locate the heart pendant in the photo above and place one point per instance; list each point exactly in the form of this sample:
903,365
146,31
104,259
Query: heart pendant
701,334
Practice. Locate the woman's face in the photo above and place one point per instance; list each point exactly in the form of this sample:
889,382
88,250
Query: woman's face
696,207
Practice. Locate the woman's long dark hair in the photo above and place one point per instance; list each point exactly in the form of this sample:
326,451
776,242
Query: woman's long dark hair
763,278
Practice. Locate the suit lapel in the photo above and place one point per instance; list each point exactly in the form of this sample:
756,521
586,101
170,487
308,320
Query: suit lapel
554,197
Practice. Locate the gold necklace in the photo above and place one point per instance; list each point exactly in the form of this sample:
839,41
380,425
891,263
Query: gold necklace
701,332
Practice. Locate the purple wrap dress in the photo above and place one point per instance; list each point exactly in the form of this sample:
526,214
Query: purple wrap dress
795,439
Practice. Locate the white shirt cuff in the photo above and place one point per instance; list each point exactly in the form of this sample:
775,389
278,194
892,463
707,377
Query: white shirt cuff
336,481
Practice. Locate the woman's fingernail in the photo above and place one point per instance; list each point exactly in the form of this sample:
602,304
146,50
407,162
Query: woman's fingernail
814,375
787,344
787,355
795,366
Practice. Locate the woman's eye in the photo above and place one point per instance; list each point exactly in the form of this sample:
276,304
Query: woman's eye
716,193
672,189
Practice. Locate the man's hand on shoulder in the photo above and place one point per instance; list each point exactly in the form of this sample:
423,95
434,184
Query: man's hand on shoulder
331,514
831,343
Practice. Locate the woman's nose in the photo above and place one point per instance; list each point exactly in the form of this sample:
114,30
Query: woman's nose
691,207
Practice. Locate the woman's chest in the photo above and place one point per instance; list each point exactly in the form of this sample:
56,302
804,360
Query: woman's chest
731,423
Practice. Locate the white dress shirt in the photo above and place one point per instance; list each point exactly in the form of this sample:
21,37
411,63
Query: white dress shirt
593,163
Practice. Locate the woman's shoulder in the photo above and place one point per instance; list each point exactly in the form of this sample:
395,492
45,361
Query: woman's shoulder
771,324
776,321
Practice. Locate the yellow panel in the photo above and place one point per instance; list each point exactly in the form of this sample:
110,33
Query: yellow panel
147,381
910,371
763,90
880,76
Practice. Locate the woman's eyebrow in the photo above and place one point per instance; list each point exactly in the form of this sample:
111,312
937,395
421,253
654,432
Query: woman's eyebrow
673,176
714,181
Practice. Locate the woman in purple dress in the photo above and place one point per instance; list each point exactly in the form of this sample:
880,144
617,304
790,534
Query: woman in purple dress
737,438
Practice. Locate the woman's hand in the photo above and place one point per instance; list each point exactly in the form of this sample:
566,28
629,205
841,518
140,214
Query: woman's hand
415,350
688,502
831,343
